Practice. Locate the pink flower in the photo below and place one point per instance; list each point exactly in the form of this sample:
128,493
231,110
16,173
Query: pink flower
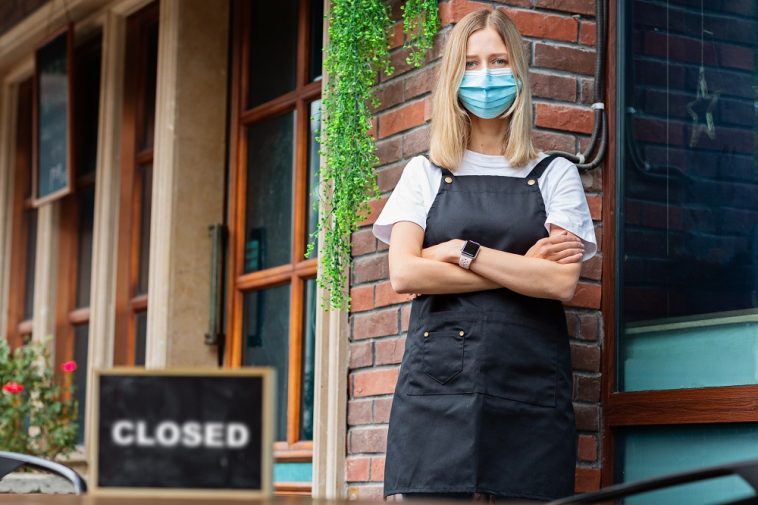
68,366
13,388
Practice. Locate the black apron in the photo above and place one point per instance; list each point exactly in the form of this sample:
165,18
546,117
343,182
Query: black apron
483,399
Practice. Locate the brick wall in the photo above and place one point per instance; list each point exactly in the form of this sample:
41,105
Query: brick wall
13,11
560,35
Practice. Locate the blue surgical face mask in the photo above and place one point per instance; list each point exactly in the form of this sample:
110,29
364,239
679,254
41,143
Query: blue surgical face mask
488,93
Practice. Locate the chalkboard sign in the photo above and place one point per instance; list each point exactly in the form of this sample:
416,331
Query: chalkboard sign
183,432
53,97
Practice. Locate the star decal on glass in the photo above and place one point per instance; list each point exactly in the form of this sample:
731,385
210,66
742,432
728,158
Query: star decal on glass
702,105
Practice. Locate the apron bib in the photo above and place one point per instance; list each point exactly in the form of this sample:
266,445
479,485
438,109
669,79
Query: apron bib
483,399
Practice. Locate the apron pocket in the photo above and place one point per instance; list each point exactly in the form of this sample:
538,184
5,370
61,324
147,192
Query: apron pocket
443,354
519,362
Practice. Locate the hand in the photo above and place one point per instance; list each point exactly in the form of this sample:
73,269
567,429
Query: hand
563,247
447,252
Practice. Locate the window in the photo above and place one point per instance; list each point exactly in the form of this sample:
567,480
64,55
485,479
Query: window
138,129
24,225
687,235
275,119
76,225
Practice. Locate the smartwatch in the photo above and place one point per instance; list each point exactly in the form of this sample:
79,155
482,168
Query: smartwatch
469,251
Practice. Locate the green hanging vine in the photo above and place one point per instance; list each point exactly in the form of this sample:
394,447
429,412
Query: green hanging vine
358,50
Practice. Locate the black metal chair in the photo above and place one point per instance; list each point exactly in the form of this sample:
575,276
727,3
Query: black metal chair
10,461
747,470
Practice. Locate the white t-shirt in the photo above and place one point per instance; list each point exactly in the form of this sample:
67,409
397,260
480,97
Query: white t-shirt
560,185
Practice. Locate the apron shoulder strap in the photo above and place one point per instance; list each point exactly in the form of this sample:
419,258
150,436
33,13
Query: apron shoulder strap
538,170
445,171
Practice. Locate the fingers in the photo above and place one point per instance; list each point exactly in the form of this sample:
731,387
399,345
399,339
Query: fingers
574,258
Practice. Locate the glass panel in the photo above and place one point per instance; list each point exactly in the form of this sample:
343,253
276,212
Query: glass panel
84,246
273,49
314,161
266,333
309,354
317,39
30,217
653,452
81,333
151,66
688,231
140,338
269,192
144,230
87,105
293,472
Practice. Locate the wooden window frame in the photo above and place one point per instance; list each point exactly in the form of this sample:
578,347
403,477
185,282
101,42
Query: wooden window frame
296,273
133,160
18,328
674,407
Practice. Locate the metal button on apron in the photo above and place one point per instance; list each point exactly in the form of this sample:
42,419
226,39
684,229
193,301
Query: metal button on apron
448,179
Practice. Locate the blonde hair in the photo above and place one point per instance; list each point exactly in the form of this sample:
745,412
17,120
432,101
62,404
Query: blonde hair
451,126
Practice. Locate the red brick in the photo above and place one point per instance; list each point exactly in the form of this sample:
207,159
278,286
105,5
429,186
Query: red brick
389,150
593,268
571,59
387,177
588,33
586,389
399,64
396,36
544,26
588,91
564,117
402,118
375,324
515,3
405,316
363,242
359,412
596,206
587,448
385,295
382,408
361,298
375,382
361,355
587,479
588,324
365,493
416,141
375,208
586,417
586,7
389,94
454,10
552,141
370,268
367,440
357,469
558,87
585,357
586,295
389,351
421,82
572,323
377,469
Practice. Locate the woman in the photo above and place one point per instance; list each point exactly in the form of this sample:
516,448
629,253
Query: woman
489,235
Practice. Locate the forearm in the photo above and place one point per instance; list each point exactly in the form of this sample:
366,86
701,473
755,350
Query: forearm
426,276
529,276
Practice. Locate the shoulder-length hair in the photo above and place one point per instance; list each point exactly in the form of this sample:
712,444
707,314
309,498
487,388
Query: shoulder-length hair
451,125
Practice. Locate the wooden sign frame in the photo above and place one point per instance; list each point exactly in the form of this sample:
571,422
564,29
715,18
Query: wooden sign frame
37,199
267,443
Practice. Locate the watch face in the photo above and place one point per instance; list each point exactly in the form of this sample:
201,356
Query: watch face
470,248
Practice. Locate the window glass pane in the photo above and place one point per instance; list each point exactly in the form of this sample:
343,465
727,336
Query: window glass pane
30,217
689,226
317,36
266,341
84,246
653,452
309,354
273,49
314,160
80,376
87,105
144,230
140,340
269,193
151,65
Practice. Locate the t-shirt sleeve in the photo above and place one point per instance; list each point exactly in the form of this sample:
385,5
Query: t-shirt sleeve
406,203
567,205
